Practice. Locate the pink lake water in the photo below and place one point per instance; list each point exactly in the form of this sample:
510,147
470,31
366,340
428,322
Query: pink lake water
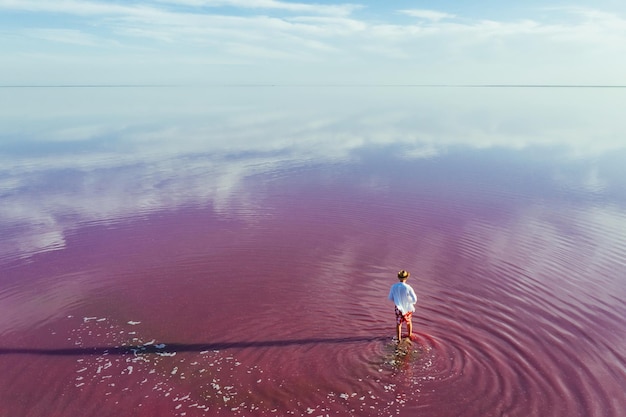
169,253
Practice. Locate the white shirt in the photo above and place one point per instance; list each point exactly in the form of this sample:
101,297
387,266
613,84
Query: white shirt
403,296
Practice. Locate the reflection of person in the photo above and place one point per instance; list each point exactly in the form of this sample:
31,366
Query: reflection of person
404,298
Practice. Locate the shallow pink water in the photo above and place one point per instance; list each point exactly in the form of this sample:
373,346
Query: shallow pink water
226,252
277,306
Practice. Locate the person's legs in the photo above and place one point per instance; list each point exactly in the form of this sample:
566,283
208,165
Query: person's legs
399,320
409,327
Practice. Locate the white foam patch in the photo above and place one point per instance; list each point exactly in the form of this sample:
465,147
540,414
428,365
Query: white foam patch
210,381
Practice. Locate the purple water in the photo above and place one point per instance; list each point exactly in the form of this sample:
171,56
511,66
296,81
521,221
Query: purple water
233,257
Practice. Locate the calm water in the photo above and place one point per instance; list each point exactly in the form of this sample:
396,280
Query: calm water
228,251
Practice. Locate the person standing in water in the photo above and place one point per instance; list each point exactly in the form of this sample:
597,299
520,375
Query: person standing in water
404,298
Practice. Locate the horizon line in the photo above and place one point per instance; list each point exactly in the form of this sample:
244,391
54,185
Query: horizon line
315,85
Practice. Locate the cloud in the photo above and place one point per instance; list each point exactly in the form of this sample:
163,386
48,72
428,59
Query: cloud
72,7
431,15
70,36
337,10
147,8
270,41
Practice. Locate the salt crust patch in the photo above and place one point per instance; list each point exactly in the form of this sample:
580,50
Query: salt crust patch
209,373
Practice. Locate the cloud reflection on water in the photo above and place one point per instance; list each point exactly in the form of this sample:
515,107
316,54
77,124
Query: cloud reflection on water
70,156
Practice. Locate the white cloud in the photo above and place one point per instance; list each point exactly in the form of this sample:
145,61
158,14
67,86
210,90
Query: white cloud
146,9
297,42
338,10
71,7
70,36
432,15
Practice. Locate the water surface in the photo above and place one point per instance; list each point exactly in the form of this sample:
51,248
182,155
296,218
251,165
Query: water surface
228,251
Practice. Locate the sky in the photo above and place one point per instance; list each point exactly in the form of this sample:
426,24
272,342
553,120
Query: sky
210,42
